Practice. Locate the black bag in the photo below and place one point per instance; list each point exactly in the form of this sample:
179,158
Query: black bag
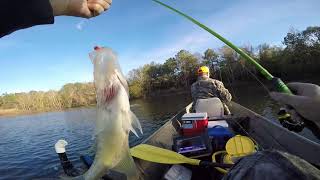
277,165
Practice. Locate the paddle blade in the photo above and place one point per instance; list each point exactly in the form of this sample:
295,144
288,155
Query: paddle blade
160,155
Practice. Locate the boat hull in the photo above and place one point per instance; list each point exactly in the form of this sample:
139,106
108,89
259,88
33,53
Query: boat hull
268,134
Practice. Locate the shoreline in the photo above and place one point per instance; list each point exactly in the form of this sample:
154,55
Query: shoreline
15,112
12,112
9,112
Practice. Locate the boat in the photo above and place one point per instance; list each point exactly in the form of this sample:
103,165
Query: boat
266,133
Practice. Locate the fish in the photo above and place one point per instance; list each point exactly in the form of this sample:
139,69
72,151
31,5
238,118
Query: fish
114,118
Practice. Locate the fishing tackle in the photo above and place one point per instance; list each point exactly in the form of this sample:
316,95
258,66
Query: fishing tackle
286,120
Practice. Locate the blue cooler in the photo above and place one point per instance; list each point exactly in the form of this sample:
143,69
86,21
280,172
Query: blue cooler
220,135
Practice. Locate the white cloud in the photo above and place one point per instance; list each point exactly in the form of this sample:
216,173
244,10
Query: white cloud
250,19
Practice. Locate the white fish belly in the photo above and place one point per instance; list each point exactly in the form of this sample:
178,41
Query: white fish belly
113,122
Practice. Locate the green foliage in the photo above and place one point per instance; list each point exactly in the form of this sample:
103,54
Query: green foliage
71,95
135,90
8,101
299,56
187,65
78,94
210,58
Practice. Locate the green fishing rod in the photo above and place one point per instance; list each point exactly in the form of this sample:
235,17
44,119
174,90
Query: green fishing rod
277,82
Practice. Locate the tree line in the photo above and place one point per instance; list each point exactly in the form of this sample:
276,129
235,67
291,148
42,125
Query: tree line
298,58
70,95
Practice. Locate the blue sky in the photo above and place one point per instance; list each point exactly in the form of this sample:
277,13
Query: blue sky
46,57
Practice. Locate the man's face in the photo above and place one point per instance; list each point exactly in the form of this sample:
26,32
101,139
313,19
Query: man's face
204,75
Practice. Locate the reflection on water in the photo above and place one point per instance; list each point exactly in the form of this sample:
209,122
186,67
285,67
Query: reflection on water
153,113
26,142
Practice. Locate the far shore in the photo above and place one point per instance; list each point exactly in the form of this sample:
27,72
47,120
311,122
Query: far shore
16,112
159,93
9,112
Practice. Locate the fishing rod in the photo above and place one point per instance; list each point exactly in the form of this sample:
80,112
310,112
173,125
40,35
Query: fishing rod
277,82
292,121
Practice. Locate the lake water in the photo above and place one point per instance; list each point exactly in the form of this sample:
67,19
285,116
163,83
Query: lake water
27,142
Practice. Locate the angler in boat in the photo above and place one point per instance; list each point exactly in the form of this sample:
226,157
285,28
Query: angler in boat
205,87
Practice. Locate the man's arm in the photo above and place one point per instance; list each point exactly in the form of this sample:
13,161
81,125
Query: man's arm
20,14
223,92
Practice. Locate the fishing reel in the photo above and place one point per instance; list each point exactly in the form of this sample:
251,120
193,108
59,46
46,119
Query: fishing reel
287,116
289,121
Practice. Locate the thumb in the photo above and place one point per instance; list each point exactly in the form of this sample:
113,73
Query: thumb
288,99
305,106
95,8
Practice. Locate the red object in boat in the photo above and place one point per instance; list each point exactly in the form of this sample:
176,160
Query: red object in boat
194,123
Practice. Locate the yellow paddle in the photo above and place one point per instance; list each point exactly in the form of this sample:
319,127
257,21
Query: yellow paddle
165,156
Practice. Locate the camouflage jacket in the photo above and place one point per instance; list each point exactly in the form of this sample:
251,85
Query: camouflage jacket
205,88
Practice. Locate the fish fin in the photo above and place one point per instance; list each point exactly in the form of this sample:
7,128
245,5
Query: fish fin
134,131
135,123
126,165
122,80
127,126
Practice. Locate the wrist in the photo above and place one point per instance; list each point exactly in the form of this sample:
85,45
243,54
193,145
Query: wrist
59,7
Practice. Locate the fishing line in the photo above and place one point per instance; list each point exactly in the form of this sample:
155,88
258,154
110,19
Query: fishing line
277,82
80,25
264,87
258,145
232,75
248,134
253,75
256,78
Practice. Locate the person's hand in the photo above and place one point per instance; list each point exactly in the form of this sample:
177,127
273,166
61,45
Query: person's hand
80,8
306,100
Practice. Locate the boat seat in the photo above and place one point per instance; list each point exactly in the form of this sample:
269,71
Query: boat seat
212,106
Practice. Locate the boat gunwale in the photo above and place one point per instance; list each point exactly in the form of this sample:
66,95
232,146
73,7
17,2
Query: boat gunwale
279,126
274,127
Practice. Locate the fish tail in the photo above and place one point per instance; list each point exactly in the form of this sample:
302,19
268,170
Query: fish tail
97,169
127,166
